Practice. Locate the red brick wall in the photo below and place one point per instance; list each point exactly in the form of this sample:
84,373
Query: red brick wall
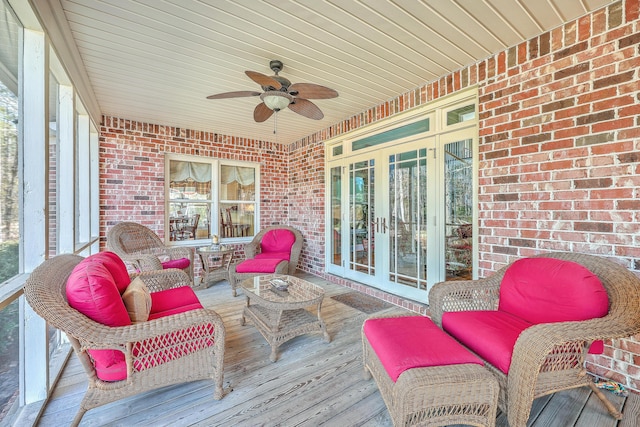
559,122
132,170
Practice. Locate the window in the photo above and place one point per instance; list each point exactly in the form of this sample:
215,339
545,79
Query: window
462,114
9,205
9,177
44,130
209,197
237,201
391,135
53,167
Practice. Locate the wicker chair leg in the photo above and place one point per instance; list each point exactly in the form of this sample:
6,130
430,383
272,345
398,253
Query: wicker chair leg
218,393
78,417
612,409
366,374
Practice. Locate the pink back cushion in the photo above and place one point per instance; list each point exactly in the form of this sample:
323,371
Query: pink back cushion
546,290
117,268
92,290
277,240
403,343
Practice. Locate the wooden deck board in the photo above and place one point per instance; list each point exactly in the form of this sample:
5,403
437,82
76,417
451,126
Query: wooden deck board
555,412
313,383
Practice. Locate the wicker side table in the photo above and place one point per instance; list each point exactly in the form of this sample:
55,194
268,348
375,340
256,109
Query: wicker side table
437,395
215,263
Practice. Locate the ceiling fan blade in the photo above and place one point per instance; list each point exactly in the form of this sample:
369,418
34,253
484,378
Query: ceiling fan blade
262,113
263,80
312,91
238,94
306,108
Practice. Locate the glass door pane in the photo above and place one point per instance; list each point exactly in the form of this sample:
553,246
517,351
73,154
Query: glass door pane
361,211
335,240
407,218
458,209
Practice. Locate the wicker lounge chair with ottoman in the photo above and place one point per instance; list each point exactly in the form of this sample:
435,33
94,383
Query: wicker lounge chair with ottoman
425,377
274,250
534,321
130,335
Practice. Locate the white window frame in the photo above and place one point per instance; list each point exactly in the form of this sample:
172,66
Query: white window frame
215,200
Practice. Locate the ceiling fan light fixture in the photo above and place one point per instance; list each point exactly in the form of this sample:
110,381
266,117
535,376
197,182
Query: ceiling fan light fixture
276,100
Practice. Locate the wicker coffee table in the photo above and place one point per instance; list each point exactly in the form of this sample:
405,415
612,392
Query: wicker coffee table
281,315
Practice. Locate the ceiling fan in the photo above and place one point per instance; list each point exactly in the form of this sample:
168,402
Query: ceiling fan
279,94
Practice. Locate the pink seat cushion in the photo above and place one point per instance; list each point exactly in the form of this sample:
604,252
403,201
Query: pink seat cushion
173,301
165,348
403,343
91,289
167,303
490,334
278,240
176,263
111,365
258,265
546,290
274,255
152,352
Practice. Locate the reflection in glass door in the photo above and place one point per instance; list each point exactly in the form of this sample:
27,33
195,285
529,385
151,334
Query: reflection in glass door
407,219
361,214
458,202
335,238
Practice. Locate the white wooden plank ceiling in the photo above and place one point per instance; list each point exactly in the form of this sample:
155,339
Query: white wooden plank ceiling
156,61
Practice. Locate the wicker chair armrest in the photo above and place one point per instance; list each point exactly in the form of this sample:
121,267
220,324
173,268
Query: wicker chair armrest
251,249
143,261
93,335
159,280
530,351
466,295
177,252
542,346
382,315
607,327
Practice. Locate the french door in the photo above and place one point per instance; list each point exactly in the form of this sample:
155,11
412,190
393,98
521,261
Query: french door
402,216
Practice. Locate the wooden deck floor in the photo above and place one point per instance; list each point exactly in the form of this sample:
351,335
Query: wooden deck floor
313,383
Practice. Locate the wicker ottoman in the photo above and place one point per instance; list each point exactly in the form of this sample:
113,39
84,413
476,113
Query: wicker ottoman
439,395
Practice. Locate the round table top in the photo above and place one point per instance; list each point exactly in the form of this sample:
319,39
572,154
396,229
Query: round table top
299,291
220,249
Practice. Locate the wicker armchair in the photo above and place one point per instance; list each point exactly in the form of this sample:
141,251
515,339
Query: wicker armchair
45,292
253,248
142,249
548,357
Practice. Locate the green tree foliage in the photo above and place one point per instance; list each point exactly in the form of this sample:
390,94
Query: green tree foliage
8,165
9,315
